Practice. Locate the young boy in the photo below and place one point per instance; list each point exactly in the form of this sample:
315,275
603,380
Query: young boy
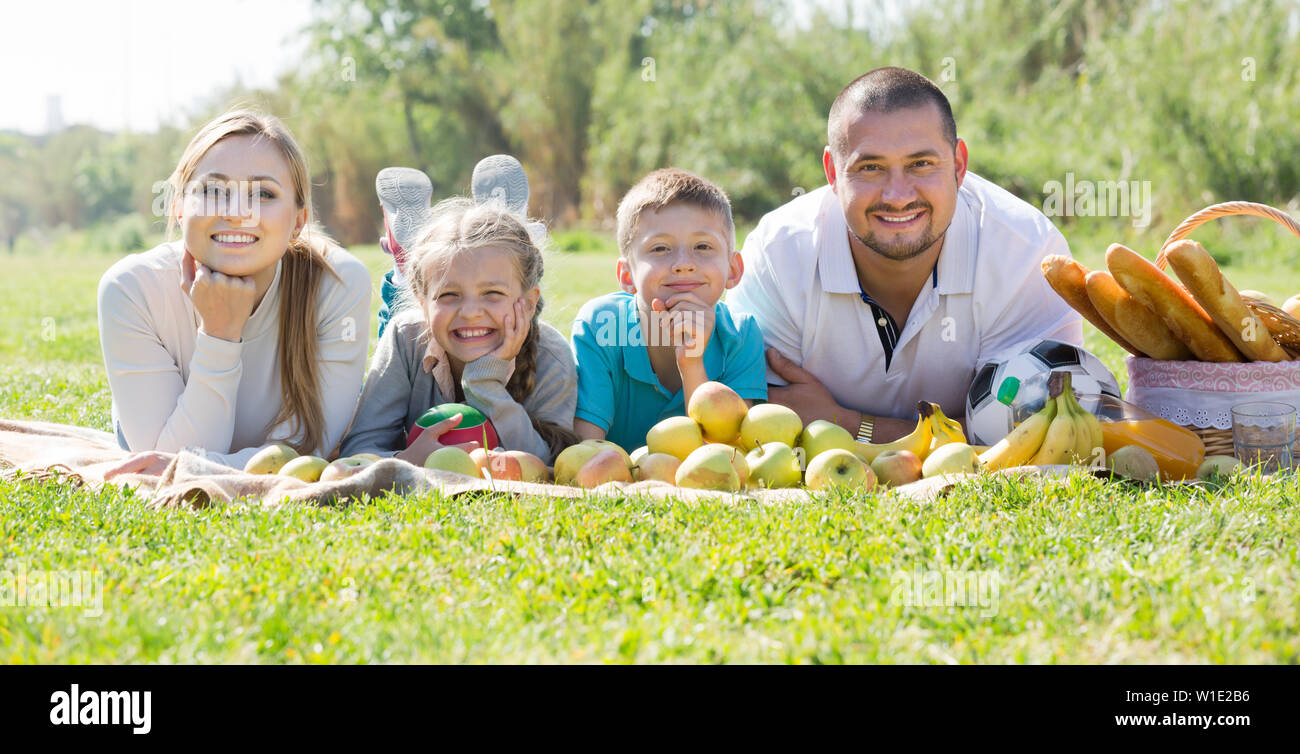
643,352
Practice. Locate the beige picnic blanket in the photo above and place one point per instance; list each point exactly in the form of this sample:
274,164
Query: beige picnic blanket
81,455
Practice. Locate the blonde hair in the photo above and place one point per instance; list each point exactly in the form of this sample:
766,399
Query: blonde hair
462,226
664,187
300,271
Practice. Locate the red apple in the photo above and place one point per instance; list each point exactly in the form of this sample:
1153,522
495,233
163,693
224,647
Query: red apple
897,467
533,468
497,464
605,466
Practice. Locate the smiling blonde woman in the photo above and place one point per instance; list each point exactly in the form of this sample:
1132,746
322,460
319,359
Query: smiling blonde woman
249,330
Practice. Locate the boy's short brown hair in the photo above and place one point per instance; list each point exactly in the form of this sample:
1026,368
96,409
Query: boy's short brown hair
668,186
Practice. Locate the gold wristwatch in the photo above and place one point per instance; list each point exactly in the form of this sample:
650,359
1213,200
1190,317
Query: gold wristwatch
866,427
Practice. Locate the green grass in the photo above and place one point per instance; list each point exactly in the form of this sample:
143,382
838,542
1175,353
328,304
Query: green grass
1085,571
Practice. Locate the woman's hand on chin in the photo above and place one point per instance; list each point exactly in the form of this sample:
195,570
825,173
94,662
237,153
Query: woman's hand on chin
148,463
224,302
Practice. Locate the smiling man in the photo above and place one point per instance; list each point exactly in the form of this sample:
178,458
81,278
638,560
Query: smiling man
895,281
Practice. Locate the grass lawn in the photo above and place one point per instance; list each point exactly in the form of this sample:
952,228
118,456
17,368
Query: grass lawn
1078,571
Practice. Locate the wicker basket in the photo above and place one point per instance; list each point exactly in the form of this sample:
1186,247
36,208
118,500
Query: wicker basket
1246,381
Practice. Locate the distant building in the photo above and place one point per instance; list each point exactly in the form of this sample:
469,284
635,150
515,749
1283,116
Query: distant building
53,113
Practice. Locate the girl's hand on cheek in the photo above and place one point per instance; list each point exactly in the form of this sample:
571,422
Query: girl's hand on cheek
515,329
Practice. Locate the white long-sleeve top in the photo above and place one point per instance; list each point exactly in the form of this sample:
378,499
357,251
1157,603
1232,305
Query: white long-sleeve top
174,387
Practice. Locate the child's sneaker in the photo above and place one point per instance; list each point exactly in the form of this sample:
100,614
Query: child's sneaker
404,193
501,177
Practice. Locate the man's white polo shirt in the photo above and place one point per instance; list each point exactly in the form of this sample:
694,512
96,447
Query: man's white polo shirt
987,297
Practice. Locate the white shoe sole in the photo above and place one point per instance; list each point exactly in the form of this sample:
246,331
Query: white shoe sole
405,194
501,177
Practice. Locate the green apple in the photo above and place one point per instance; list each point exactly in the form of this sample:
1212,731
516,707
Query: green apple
676,436
897,467
638,454
820,436
710,467
773,465
770,422
718,410
452,459
306,468
839,468
952,458
738,461
1134,462
343,468
1214,466
660,466
270,460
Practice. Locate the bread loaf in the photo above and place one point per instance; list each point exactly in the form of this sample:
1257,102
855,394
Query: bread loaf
1138,324
1066,277
1205,281
1172,303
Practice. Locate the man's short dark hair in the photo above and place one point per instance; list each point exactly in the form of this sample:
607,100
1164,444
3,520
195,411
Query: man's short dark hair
885,90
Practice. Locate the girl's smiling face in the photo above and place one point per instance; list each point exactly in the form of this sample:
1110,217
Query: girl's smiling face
467,309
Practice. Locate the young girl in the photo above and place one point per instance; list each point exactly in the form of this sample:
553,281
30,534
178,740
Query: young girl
249,330
471,336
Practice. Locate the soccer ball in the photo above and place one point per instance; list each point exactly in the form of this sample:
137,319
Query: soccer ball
989,420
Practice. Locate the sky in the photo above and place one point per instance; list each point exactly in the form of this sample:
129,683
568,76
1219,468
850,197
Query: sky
137,64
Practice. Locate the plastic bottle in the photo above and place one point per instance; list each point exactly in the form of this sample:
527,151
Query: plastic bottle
1178,451
1024,397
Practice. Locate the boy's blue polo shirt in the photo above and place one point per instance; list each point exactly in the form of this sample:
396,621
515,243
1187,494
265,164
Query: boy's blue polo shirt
617,388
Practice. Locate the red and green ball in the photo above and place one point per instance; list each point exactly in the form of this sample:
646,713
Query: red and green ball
473,425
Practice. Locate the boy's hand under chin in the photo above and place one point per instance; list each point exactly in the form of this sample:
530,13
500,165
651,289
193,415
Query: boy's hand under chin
687,323
515,329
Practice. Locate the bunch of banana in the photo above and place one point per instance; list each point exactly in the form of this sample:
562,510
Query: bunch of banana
1062,432
918,440
943,429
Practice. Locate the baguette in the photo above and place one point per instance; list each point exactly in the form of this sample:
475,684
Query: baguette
1138,324
1066,277
1205,281
1172,303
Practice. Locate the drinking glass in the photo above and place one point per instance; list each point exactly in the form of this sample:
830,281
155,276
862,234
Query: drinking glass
1263,434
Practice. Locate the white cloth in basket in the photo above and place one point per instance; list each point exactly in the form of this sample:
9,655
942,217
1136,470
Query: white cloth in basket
1202,394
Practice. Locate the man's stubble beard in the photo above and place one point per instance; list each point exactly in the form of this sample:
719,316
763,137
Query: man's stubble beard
907,251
